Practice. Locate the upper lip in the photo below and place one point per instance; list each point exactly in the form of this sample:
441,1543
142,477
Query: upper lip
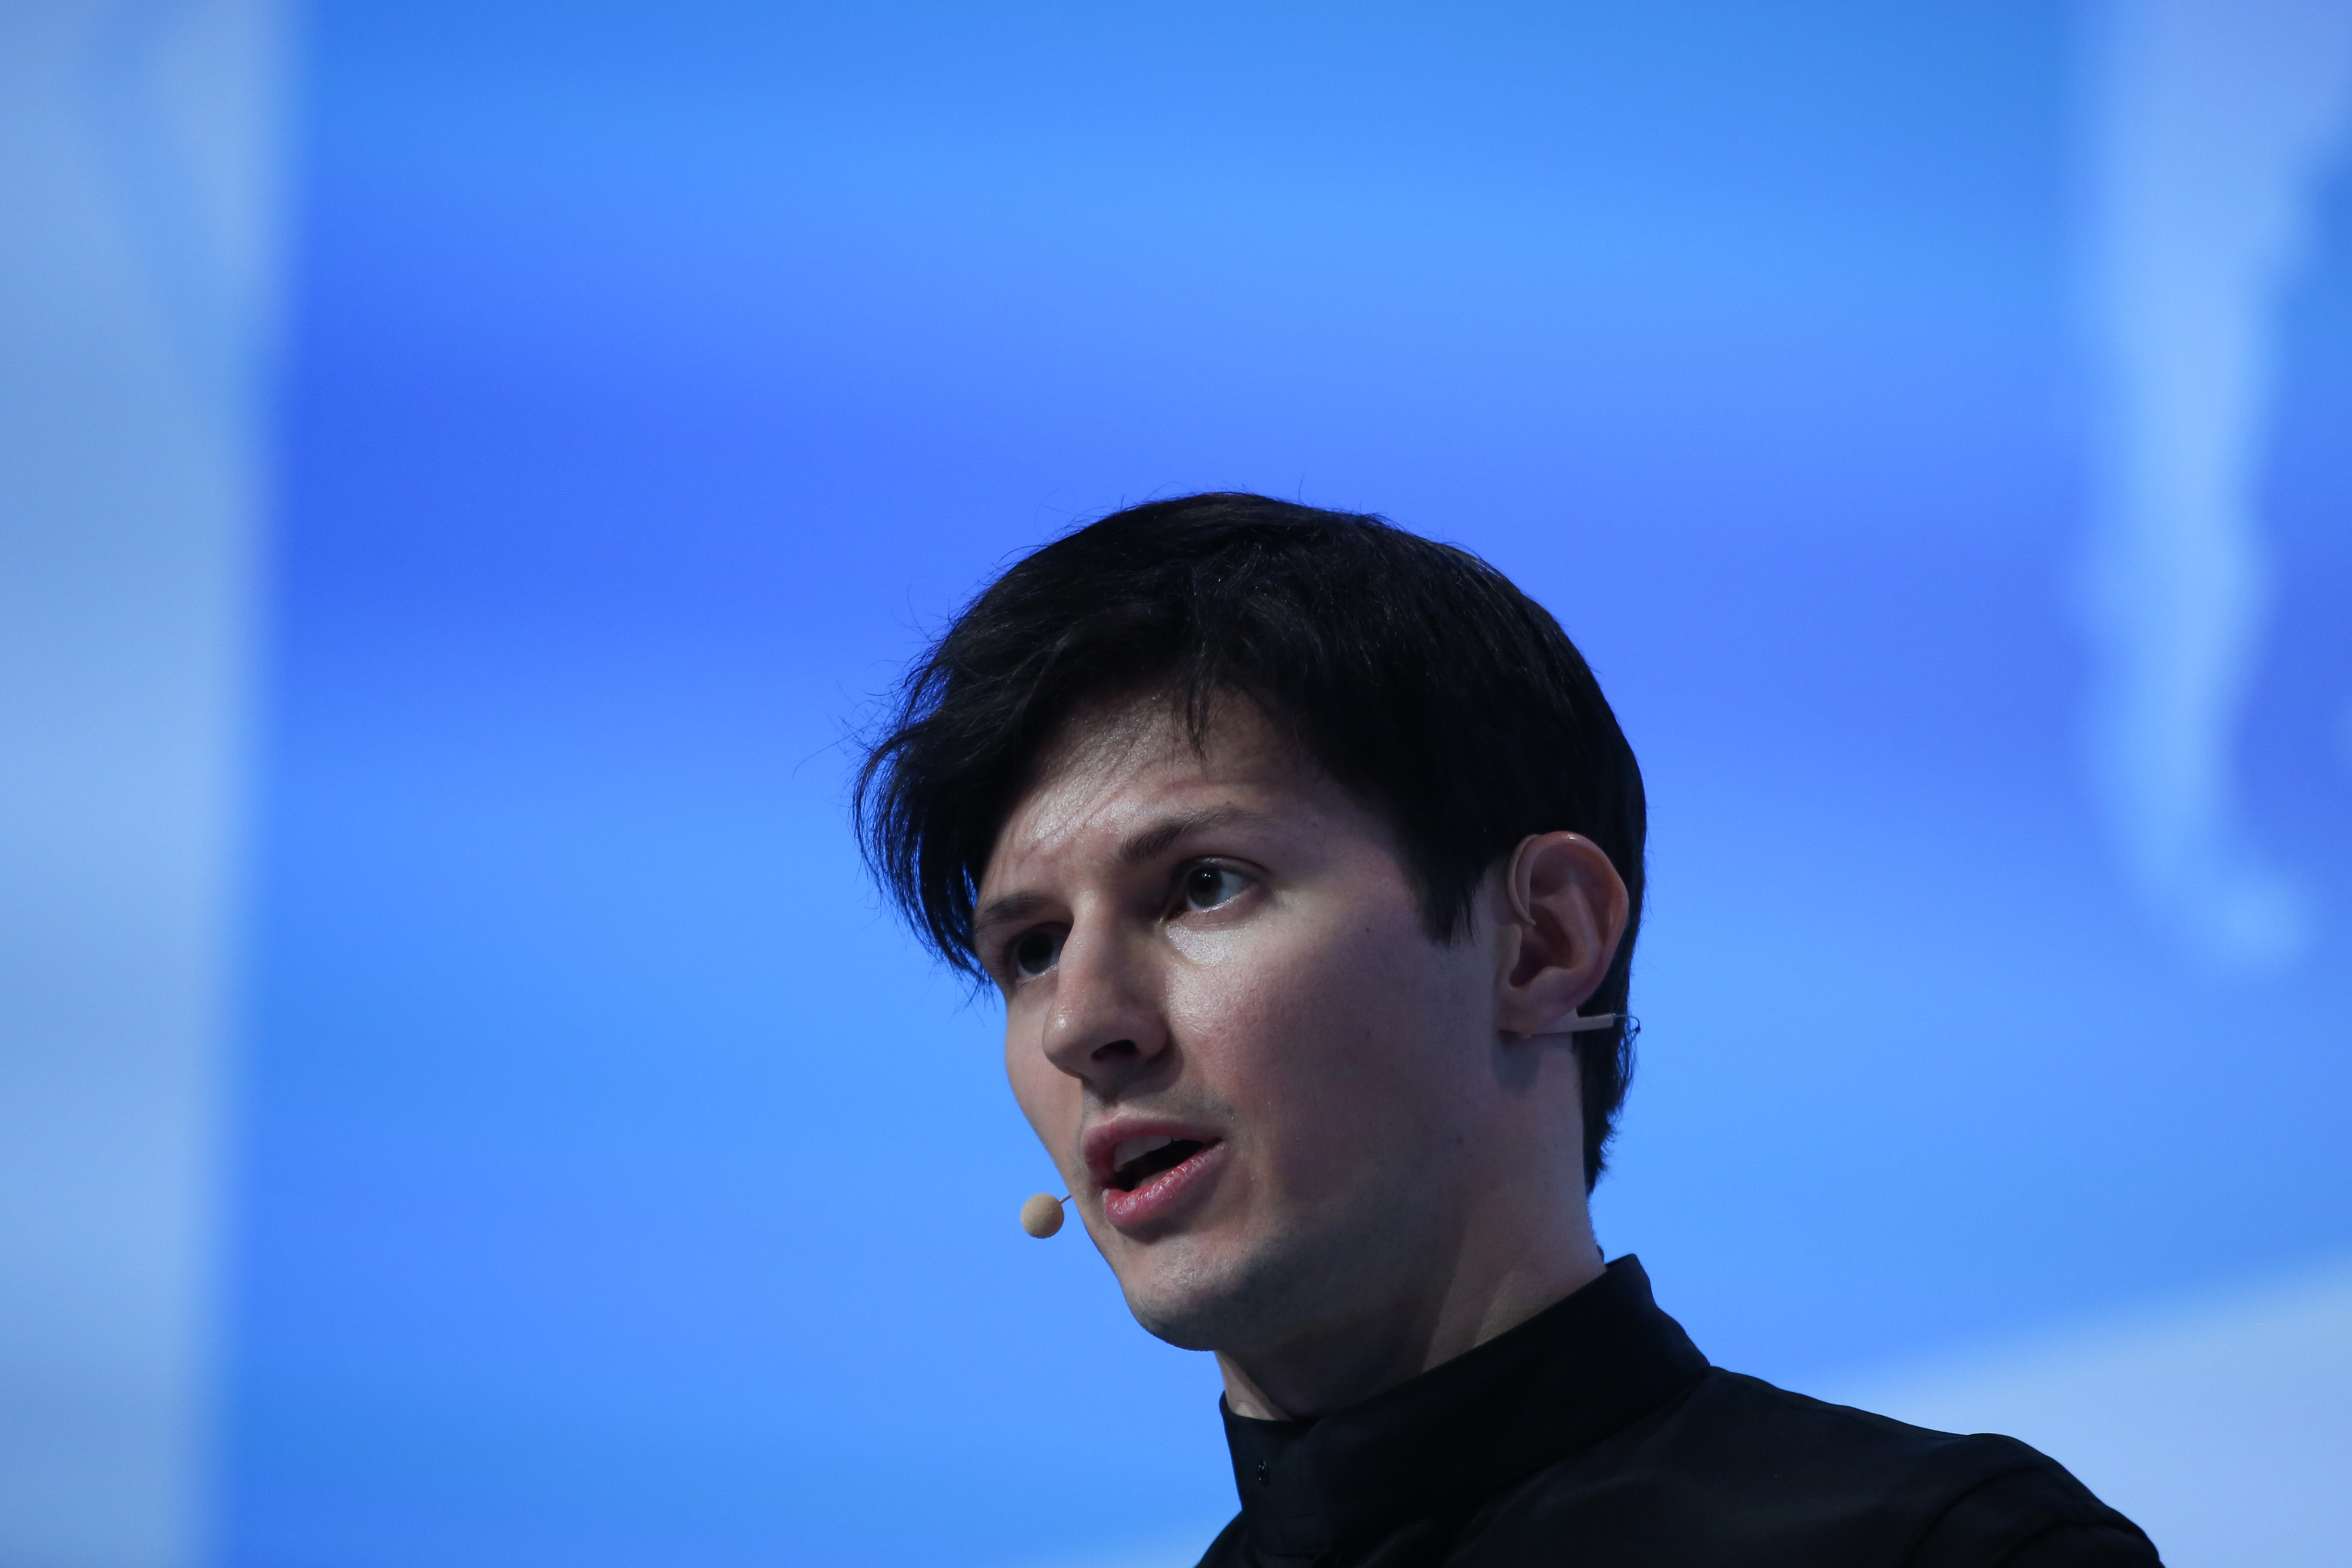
1101,1142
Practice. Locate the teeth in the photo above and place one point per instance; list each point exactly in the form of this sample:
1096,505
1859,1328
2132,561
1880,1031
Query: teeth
1134,1149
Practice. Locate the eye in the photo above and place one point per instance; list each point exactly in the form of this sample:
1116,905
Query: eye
1035,952
1207,886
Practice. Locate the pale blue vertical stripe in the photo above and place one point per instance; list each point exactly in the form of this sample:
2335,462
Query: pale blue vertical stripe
2213,124
138,192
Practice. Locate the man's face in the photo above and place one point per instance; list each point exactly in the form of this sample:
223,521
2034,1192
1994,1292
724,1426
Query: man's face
1263,1079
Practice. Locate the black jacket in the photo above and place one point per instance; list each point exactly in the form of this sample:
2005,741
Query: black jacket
1596,1435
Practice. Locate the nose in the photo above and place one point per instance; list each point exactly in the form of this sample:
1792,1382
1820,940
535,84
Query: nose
1104,1027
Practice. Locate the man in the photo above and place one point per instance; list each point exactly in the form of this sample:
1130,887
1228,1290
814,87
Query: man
1306,856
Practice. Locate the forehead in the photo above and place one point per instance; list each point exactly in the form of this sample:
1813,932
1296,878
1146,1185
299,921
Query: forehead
1117,767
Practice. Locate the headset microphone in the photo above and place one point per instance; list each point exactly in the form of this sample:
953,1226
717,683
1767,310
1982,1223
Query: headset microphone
1041,1215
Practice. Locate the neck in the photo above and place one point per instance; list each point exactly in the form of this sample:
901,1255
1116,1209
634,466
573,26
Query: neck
1493,1286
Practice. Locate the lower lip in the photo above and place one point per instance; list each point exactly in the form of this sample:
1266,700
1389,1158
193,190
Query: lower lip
1157,1200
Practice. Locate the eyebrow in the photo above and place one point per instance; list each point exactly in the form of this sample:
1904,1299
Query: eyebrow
1003,911
1153,842
1146,845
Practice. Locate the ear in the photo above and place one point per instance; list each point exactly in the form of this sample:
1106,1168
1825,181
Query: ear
1562,910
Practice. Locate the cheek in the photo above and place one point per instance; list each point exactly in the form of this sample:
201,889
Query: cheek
1308,1026
1048,1096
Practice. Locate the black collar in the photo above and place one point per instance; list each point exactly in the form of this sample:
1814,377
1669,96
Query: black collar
1576,1372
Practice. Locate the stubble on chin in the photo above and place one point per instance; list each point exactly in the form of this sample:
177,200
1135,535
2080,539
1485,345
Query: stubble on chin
1195,1298
1248,1297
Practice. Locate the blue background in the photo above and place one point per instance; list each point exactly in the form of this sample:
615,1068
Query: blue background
620,1186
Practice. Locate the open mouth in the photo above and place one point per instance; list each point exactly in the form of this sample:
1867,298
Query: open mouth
1137,1160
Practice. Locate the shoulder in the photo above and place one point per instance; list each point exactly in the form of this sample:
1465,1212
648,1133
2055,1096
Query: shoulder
1739,1471
1961,1500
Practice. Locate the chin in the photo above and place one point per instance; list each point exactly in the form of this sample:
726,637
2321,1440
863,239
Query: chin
1225,1299
1191,1320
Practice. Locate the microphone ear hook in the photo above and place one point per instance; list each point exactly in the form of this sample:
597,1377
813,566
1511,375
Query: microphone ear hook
1041,1215
1579,1023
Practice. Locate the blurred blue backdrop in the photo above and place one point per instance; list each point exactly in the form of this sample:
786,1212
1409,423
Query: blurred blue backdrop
617,1185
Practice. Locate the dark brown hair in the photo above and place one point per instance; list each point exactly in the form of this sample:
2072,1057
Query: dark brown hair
1417,675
